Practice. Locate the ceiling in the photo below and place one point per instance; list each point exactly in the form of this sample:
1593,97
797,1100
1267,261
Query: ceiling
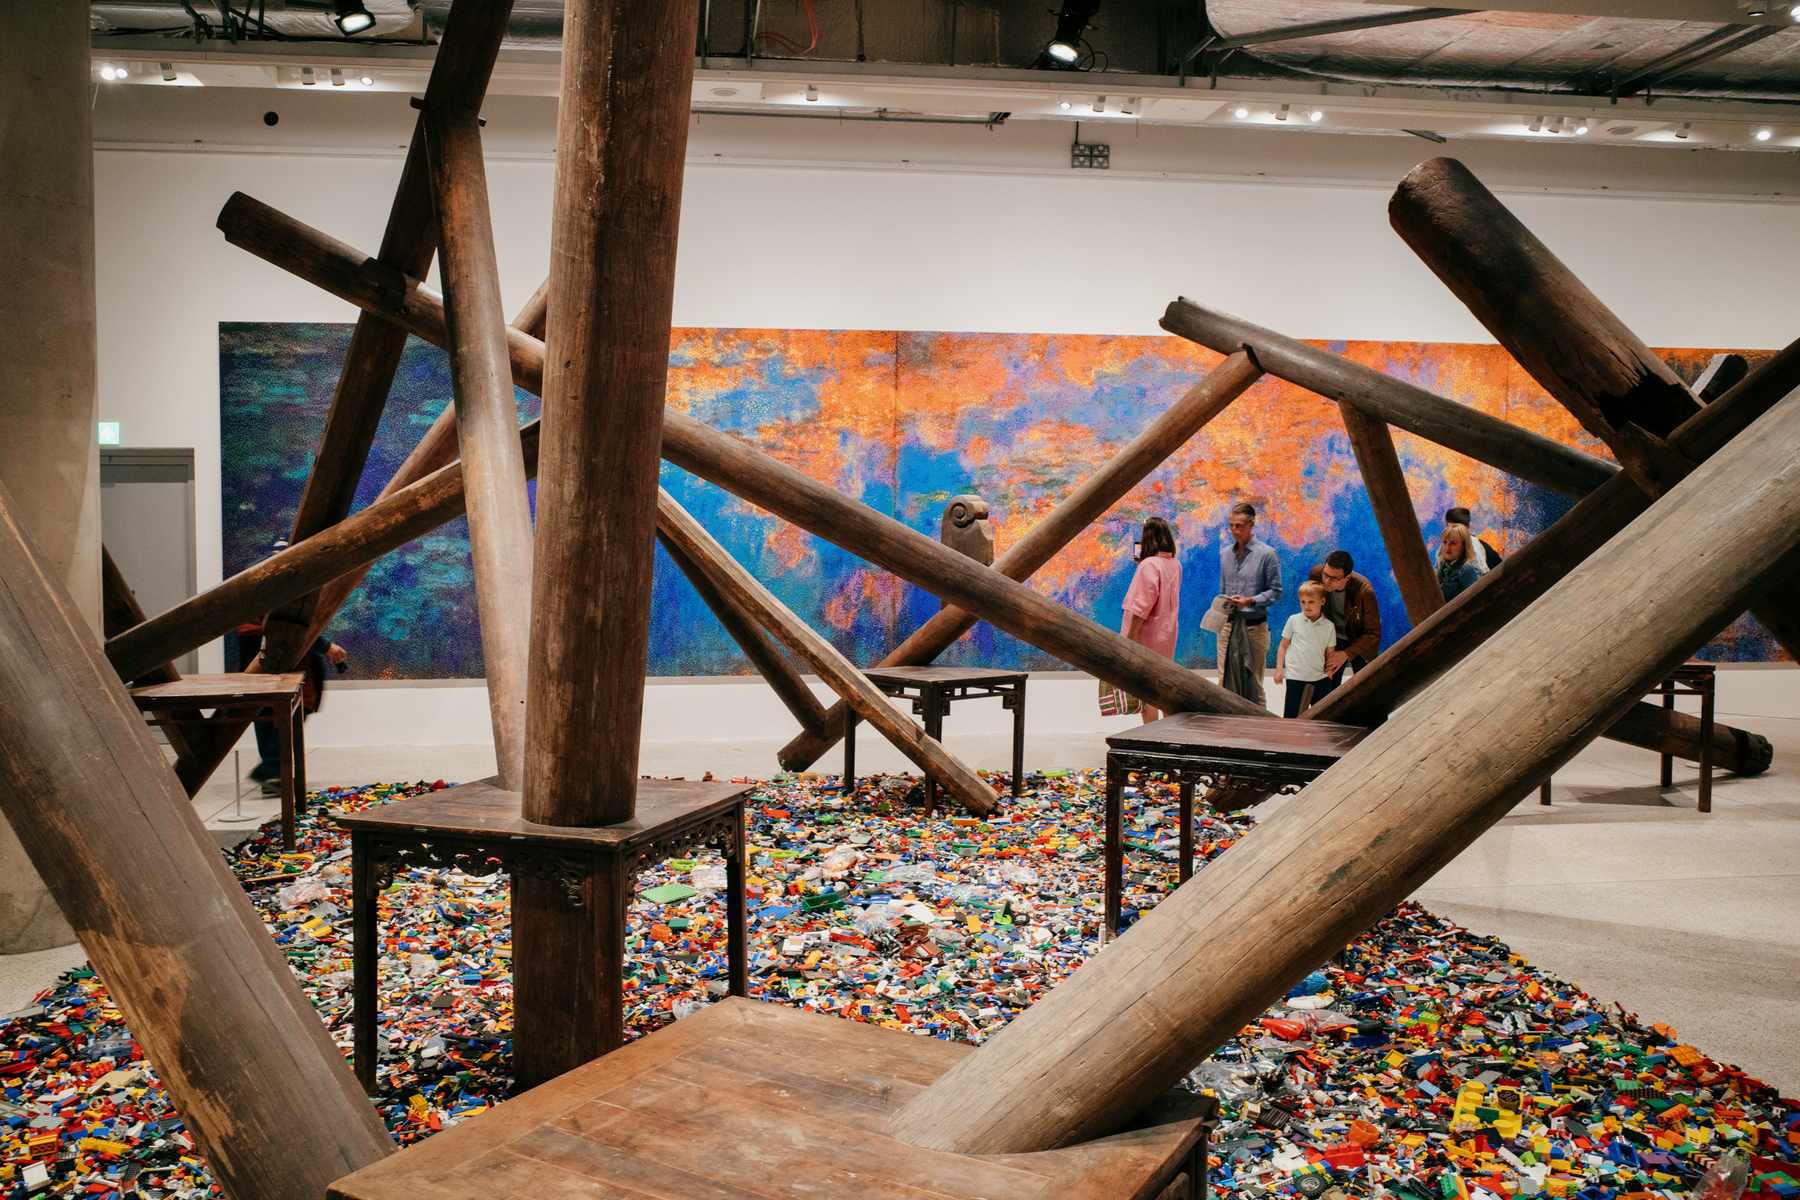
1685,74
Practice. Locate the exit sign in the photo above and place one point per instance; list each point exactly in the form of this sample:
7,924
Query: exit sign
109,433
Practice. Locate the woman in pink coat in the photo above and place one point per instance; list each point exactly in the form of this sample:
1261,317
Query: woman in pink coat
1152,605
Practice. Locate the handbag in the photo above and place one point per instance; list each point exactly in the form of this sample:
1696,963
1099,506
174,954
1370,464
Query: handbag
1117,702
1217,614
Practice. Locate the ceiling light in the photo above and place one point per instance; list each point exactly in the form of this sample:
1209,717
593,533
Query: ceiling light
168,72
352,17
1281,113
1099,104
1796,13
306,76
1581,127
1065,106
1316,115
1072,20
1063,52
1240,112
812,93
111,72
1535,124
367,81
1683,131
1762,135
1756,9
337,77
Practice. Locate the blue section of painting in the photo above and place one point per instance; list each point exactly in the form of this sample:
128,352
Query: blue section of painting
902,422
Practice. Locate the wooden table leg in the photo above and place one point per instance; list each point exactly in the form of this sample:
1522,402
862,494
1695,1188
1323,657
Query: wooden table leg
283,715
847,781
1544,793
737,918
1706,743
609,891
935,705
1187,830
1018,699
1668,760
365,926
1115,848
298,728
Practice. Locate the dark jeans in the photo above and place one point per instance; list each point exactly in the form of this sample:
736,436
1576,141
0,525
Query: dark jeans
1296,689
268,745
1337,677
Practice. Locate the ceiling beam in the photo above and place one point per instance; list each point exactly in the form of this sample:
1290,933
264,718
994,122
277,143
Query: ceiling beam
1320,28
1717,44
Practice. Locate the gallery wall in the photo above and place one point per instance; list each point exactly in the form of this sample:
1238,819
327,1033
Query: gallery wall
902,245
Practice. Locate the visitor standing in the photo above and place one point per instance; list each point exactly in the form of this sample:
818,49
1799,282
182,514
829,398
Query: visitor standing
1490,557
1354,611
1305,641
1153,602
1456,561
1250,577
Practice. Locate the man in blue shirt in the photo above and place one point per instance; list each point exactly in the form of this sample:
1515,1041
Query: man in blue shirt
1250,575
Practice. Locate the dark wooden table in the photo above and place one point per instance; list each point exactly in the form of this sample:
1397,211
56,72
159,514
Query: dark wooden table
477,828
241,697
1220,752
751,1101
1692,678
932,690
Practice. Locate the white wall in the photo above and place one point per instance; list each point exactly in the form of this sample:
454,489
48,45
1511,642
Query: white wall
924,227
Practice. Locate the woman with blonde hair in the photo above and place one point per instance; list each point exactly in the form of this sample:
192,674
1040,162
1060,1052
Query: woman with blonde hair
1152,604
1456,560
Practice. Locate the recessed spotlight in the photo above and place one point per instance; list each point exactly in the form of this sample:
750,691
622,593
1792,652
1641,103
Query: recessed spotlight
1240,112
1762,135
367,80
724,93
1316,115
112,72
1065,105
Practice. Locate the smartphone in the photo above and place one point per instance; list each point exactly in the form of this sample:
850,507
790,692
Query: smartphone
1137,551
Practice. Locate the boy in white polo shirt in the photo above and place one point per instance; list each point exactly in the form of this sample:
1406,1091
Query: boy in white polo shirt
1308,634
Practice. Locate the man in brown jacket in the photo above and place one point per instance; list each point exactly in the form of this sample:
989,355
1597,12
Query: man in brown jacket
1350,603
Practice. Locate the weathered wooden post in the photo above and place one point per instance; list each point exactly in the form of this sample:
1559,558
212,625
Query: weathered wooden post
1403,803
183,953
680,529
620,144
1376,458
1124,471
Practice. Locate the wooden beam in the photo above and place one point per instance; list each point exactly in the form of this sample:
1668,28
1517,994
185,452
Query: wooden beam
184,955
621,145
119,611
1376,458
532,318
676,525
487,421
751,638
1531,457
1560,332
1362,837
1082,507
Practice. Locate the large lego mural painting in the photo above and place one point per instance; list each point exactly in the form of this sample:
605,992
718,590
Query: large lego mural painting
902,422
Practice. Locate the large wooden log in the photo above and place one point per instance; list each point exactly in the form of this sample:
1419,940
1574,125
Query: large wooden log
487,422
1570,342
1531,457
1409,798
1560,332
680,528
621,141
752,639
1122,472
752,475
268,1098
1379,463
119,611
386,525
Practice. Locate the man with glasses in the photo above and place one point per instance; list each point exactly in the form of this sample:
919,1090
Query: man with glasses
1350,603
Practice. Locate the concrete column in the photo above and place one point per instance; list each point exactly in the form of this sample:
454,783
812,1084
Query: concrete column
49,459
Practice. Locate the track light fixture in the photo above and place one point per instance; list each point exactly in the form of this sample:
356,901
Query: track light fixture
1535,124
1281,113
1240,112
351,17
1683,131
1072,20
1581,125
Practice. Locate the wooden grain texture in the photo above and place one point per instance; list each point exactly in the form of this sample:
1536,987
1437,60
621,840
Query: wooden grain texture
752,475
621,139
750,1101
1557,329
1379,463
780,674
1064,523
1399,806
532,318
119,611
487,422
244,1057
676,525
1531,457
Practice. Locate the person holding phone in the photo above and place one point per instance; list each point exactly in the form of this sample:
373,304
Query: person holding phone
1153,602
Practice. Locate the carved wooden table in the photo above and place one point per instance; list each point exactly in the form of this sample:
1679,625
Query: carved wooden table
932,690
1692,678
1218,751
476,828
764,1102
241,697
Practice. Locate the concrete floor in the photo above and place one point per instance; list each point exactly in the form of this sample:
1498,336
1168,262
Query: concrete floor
1619,885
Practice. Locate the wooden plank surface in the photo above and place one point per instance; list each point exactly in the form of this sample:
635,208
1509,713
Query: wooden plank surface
751,1101
913,675
204,691
1250,738
484,809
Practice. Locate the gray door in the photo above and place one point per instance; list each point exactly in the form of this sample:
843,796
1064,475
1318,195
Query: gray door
147,524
